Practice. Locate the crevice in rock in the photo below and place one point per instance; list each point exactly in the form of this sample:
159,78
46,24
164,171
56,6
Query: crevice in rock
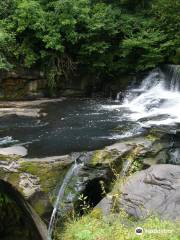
94,192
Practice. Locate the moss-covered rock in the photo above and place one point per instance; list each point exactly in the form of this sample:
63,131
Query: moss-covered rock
36,179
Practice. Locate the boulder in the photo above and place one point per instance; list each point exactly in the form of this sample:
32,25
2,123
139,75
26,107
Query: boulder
154,191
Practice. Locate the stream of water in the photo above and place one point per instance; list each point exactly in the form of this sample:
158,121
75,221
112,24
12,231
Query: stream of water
73,170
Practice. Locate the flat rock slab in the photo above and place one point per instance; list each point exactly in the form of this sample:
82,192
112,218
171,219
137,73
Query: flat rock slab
25,108
155,190
20,104
26,112
14,150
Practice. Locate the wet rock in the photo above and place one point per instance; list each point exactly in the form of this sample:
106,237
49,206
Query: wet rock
110,154
147,146
100,168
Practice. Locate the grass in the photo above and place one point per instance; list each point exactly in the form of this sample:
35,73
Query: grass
118,227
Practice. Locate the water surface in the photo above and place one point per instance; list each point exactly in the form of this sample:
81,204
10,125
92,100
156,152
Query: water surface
70,125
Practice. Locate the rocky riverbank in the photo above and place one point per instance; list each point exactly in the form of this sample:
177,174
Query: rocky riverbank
100,177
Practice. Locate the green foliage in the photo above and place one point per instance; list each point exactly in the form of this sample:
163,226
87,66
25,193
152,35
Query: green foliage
6,8
6,41
103,37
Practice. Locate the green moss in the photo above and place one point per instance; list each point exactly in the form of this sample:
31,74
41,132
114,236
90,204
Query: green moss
13,178
39,207
137,165
9,158
103,157
152,137
49,174
133,154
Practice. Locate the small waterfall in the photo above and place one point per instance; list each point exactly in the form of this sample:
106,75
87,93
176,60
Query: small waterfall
59,199
118,97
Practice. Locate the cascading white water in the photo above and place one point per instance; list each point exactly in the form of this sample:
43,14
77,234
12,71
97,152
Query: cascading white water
156,102
59,199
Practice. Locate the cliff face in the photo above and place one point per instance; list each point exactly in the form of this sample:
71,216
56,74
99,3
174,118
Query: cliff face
22,84
30,84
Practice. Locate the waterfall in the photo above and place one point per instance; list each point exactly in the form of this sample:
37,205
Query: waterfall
59,199
118,97
157,100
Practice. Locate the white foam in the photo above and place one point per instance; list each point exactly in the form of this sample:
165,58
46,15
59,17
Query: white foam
7,140
155,101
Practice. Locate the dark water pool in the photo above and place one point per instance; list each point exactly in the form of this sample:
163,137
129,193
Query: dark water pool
70,125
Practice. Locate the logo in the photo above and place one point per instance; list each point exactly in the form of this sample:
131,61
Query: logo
139,231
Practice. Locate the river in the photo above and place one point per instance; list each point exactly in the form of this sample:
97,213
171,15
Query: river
74,125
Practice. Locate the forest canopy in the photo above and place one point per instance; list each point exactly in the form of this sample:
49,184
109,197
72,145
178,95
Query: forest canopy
102,37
